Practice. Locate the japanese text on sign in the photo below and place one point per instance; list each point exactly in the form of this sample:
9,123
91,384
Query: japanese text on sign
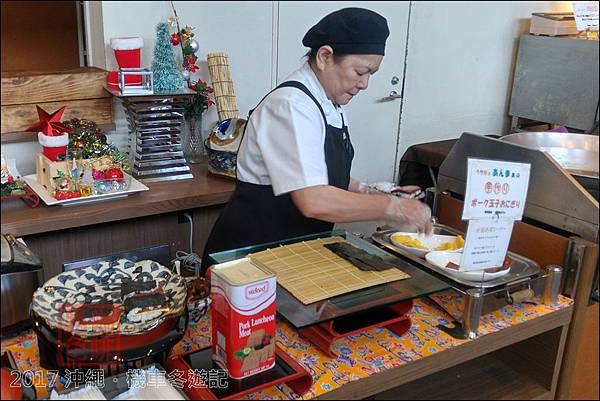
586,15
486,243
495,189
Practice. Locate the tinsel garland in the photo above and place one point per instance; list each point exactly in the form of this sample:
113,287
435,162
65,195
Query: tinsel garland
91,142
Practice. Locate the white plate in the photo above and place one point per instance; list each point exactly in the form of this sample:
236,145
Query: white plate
430,242
31,180
441,259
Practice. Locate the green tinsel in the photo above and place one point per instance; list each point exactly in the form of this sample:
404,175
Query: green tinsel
88,139
164,66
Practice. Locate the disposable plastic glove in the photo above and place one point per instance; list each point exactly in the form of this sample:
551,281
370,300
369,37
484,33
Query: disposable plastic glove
364,188
386,187
410,211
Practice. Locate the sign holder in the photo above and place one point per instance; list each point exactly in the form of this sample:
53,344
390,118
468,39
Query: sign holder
495,197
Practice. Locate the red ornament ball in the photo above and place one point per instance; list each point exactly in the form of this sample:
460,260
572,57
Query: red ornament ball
113,174
175,39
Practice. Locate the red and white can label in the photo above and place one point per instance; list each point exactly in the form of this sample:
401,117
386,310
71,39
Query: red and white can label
243,323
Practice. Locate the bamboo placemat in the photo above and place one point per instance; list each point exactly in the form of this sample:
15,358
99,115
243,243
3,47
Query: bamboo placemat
220,75
311,272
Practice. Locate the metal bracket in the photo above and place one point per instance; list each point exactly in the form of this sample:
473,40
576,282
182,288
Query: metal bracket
573,264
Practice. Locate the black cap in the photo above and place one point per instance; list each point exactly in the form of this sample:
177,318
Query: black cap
350,31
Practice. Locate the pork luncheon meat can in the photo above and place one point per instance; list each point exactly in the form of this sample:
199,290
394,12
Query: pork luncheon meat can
243,318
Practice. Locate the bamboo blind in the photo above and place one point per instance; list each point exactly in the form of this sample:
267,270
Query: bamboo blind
220,75
311,272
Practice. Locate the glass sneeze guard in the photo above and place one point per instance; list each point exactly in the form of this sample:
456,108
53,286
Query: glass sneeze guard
420,284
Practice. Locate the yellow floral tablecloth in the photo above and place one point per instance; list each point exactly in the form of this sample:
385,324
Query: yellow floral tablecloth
359,356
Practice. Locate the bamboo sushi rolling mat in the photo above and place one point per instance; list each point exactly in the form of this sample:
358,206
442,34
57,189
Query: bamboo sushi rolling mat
311,272
220,75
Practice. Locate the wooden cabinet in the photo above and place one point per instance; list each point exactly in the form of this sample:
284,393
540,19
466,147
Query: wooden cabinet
40,35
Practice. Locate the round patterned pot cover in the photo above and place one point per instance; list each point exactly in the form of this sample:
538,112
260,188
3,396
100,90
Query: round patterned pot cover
58,299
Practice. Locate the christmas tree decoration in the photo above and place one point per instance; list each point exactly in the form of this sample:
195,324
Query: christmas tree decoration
52,134
166,76
188,45
88,160
175,40
87,137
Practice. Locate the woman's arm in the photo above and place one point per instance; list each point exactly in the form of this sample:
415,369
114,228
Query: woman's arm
328,203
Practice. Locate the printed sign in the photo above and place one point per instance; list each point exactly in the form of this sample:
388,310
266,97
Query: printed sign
586,15
486,244
495,189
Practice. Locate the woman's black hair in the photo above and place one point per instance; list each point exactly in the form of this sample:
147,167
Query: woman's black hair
312,55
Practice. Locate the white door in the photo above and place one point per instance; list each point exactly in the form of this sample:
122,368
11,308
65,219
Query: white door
373,124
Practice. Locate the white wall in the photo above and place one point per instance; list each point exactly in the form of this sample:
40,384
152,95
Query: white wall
461,57
458,73
243,30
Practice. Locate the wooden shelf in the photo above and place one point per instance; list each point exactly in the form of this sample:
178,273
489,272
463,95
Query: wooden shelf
16,137
81,90
527,359
163,197
485,378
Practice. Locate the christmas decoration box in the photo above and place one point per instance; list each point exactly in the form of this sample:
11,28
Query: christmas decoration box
243,318
47,170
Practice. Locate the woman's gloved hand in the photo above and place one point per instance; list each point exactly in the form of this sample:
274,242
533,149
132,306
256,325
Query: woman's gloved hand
389,188
406,191
410,211
364,188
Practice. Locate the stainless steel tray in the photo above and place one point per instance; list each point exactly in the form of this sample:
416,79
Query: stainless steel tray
576,153
520,269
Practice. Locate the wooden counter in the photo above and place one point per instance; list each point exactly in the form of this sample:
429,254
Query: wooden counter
163,197
61,234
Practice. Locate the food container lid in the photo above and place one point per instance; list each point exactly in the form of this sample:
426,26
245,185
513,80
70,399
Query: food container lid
240,272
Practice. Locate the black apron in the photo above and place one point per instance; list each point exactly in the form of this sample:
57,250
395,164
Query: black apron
255,216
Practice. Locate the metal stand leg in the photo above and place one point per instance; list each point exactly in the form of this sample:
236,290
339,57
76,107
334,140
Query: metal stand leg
472,311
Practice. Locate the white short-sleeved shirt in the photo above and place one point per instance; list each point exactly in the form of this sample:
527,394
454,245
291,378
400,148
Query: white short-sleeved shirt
284,141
